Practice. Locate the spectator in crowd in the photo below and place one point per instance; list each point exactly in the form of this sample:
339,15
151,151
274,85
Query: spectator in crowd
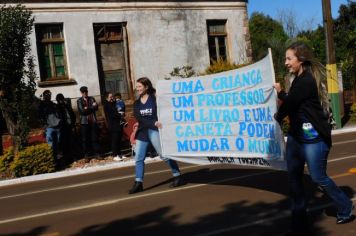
67,116
51,121
121,108
309,135
145,111
89,129
113,118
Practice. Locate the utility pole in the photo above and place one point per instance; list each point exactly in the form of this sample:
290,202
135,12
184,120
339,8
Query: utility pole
332,79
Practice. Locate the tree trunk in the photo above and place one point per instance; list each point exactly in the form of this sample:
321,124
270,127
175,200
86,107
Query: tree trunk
13,129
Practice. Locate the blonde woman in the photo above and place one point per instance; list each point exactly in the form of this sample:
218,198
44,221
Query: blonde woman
309,135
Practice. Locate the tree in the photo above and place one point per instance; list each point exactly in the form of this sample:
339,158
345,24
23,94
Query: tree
288,19
17,76
268,33
345,40
316,41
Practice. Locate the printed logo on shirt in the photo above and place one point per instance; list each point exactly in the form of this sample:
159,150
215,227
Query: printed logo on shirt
309,132
146,112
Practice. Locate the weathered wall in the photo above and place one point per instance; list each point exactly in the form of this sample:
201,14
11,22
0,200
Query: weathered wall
161,36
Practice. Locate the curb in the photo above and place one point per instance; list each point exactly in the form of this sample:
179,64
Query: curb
73,172
92,169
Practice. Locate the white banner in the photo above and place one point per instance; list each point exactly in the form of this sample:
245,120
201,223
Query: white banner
222,118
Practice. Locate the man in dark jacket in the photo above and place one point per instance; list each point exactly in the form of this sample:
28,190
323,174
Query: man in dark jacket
67,116
87,108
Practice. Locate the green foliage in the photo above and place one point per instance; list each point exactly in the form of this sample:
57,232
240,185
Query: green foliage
182,72
353,113
17,74
32,160
6,159
268,33
263,31
221,65
316,41
345,42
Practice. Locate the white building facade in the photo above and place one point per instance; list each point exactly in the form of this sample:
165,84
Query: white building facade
108,45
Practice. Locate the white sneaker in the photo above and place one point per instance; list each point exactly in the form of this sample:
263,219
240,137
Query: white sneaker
118,158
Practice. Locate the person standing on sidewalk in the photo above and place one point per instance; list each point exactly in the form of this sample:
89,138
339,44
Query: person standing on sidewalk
113,119
89,129
145,112
67,116
51,121
309,136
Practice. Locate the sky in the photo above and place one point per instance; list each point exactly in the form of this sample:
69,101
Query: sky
309,12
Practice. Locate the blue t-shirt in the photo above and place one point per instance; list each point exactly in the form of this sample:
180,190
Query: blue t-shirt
146,115
146,109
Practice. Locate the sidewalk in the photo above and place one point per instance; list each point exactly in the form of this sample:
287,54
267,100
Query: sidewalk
112,165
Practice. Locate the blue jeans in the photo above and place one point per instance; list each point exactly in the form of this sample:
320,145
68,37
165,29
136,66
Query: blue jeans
140,155
52,137
316,155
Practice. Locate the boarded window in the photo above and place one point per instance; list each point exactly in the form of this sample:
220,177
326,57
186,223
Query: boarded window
217,39
51,52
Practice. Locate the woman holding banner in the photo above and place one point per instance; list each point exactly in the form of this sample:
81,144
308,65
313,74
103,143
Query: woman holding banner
309,136
145,112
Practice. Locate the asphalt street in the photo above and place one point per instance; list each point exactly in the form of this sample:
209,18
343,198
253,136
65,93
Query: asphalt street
217,200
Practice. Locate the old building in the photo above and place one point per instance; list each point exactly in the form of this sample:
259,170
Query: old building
107,45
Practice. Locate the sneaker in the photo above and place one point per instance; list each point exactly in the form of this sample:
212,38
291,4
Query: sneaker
137,187
340,220
344,220
118,158
178,181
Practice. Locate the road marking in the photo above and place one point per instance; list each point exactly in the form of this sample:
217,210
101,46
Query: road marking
281,215
116,201
342,158
344,142
91,183
125,177
110,202
340,175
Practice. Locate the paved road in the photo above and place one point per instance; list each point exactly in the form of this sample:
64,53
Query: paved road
218,200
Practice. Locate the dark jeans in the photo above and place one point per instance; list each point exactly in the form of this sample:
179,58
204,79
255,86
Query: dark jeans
90,138
66,141
315,155
116,135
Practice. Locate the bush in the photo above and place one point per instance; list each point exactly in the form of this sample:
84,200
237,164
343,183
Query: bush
221,65
32,160
182,72
353,113
5,161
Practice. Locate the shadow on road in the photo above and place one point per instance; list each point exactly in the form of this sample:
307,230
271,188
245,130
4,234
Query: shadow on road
234,218
34,232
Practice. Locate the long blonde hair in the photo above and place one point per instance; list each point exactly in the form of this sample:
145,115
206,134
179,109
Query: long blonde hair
318,70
